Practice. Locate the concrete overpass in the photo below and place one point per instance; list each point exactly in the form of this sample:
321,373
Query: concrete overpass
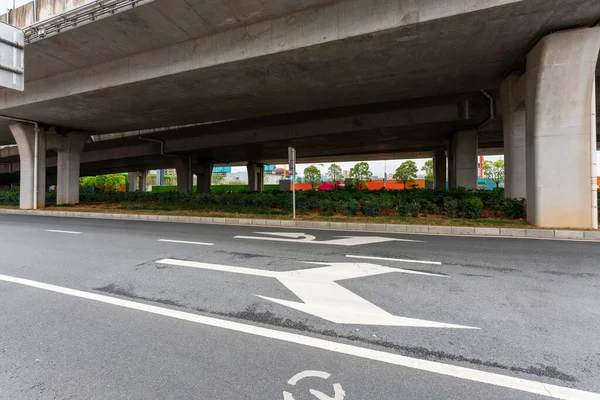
334,78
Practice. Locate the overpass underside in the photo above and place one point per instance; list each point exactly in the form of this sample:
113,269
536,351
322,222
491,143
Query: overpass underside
191,83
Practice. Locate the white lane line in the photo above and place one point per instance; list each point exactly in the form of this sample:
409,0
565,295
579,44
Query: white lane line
185,242
69,232
543,389
395,259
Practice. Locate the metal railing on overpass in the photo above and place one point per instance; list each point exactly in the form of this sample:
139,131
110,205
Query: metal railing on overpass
77,16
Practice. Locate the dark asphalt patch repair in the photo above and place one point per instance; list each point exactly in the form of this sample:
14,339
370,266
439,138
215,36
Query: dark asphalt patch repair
119,291
267,318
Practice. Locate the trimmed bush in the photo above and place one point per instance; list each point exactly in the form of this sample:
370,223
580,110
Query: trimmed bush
414,208
471,208
453,203
372,208
451,207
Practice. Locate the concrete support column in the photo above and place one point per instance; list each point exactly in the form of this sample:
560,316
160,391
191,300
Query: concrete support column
256,177
185,178
68,148
464,151
33,180
143,181
514,121
133,181
203,172
561,142
160,177
439,170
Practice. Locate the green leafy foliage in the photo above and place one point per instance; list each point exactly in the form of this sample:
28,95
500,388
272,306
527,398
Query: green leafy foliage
454,203
406,172
428,169
312,175
103,182
334,173
360,174
494,171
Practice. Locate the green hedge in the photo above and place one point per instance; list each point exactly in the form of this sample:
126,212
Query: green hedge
455,203
214,188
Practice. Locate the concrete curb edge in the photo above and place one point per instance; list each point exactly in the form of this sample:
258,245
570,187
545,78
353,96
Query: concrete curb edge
358,227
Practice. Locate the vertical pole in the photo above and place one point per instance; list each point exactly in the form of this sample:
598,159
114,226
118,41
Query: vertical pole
385,174
294,182
36,162
594,161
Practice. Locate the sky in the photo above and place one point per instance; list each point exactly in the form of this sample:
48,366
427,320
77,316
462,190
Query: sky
378,167
8,4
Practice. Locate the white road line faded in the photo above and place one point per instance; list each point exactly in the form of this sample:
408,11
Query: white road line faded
395,259
185,242
524,385
68,232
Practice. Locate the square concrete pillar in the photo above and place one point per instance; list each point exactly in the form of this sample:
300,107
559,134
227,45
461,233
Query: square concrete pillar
185,178
255,177
561,138
33,180
133,181
439,170
203,171
464,151
514,122
68,148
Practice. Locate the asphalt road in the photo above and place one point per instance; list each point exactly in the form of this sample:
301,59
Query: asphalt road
149,310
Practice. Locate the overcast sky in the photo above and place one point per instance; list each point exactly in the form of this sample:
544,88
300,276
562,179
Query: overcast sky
8,4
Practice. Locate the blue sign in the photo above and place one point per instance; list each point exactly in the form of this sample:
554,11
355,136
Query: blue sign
222,170
269,168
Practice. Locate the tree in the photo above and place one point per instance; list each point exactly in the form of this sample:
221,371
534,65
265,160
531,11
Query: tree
312,175
217,179
334,173
406,172
360,174
494,171
428,169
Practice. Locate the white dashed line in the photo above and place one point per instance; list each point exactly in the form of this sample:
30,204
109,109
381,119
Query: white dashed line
185,242
395,259
524,385
69,232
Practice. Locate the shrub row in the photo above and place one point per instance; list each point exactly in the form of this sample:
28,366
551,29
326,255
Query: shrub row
455,203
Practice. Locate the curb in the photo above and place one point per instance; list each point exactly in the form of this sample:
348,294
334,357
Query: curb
592,236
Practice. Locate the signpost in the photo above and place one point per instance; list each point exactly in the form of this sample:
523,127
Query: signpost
292,163
12,42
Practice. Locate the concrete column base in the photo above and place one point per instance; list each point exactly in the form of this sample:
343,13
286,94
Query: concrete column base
255,177
561,138
464,150
514,121
24,135
203,172
185,178
69,148
137,181
439,170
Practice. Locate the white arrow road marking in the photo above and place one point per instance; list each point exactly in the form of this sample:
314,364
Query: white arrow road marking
395,259
67,232
323,297
469,374
296,237
185,242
